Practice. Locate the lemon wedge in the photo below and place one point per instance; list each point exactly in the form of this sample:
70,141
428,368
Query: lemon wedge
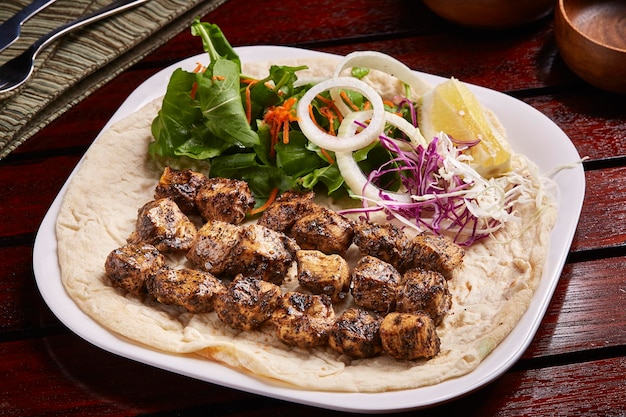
451,107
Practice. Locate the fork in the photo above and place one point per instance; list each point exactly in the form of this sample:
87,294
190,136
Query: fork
10,30
16,72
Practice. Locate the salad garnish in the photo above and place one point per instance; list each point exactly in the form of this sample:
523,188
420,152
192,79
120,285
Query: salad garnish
339,137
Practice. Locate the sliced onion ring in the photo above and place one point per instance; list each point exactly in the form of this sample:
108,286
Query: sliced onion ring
385,63
347,143
350,170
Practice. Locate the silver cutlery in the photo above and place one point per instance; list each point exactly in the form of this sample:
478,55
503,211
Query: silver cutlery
15,72
10,29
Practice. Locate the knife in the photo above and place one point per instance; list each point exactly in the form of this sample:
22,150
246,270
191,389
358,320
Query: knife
10,29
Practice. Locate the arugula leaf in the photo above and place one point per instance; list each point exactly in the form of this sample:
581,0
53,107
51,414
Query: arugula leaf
179,118
262,179
202,114
294,158
214,42
220,102
204,117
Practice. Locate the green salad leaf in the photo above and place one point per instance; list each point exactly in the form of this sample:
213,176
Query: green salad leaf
246,128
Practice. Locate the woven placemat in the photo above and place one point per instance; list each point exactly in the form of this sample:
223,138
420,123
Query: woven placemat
81,62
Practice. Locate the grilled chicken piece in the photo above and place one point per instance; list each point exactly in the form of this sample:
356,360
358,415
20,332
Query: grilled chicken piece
324,230
263,253
375,284
162,224
181,186
285,210
426,291
213,245
303,320
247,303
356,333
437,253
189,288
129,266
409,336
224,199
323,274
384,241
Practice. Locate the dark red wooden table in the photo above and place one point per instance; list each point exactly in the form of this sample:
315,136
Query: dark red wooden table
576,364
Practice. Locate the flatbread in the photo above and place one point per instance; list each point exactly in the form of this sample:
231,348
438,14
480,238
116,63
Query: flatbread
490,292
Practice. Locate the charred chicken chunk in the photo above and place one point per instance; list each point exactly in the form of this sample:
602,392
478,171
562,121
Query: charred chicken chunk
212,247
409,336
129,266
189,288
375,284
303,320
263,253
285,210
437,253
224,199
384,241
180,186
323,274
426,291
356,333
324,230
247,303
162,224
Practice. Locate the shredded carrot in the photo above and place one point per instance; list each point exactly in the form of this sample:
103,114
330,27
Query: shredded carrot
330,115
312,116
327,156
332,105
278,119
389,103
194,89
249,101
268,203
346,99
218,78
199,68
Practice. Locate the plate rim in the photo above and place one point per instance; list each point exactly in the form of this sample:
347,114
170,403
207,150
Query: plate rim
45,265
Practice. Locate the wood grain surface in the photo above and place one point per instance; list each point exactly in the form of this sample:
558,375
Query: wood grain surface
576,364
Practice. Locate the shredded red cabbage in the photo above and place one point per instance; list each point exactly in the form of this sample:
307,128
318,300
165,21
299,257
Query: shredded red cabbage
444,211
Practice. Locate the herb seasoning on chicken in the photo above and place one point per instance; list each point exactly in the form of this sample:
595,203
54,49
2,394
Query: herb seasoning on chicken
375,284
247,303
181,186
162,223
356,333
189,288
323,229
303,320
323,274
437,253
263,252
285,210
384,241
224,199
212,247
409,336
388,311
426,291
128,266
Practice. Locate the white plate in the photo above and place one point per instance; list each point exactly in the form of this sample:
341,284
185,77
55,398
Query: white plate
530,133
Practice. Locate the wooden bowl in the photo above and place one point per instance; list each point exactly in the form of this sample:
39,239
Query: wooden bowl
491,14
591,37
